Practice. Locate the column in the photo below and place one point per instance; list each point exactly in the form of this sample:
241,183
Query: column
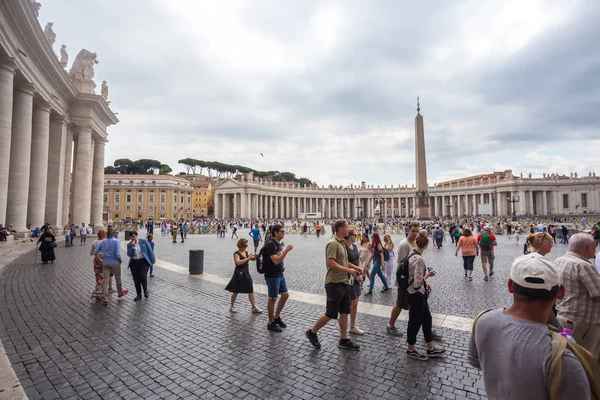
7,76
38,172
82,195
56,172
20,157
216,207
244,205
67,176
98,184
459,205
544,196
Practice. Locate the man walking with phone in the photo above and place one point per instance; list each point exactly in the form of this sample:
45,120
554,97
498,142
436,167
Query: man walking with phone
273,266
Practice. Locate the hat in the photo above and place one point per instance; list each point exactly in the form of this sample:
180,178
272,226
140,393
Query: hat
487,227
534,265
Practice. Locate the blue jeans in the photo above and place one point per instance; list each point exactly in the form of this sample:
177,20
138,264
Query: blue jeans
276,286
376,270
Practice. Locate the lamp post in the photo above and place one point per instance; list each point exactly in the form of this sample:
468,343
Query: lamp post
514,199
359,209
379,201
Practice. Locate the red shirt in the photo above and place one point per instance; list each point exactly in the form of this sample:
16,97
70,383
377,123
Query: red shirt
492,236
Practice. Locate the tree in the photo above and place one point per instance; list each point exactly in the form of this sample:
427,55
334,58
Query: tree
164,169
189,164
146,166
124,166
110,170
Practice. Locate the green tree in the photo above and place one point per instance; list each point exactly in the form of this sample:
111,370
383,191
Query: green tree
164,169
110,170
124,166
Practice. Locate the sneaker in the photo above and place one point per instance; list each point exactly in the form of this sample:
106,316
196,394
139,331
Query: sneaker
491,273
436,353
274,327
256,310
279,322
466,276
470,278
313,338
232,310
486,279
369,294
392,330
105,302
111,290
348,345
123,293
356,331
416,355
436,336
387,289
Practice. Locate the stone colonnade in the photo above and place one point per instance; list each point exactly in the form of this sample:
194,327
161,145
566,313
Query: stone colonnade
251,198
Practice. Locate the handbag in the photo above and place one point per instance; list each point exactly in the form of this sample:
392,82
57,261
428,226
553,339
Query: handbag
52,245
386,255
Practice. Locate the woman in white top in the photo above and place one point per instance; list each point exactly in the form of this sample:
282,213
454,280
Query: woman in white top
388,245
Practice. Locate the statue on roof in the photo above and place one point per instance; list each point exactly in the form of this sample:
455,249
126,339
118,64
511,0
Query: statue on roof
83,66
104,90
49,33
64,57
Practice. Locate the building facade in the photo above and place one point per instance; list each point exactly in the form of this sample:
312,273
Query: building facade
143,197
202,199
53,127
491,194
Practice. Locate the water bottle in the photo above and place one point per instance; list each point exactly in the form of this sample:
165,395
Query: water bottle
567,334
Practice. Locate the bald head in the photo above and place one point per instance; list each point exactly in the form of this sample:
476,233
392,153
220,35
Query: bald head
583,244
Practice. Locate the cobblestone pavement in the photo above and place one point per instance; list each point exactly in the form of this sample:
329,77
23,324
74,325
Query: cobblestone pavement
183,343
305,269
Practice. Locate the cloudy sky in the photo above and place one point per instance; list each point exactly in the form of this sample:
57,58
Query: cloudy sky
327,89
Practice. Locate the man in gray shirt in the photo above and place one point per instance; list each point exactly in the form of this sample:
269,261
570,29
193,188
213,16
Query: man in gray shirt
512,347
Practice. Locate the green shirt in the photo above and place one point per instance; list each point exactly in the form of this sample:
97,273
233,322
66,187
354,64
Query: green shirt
336,249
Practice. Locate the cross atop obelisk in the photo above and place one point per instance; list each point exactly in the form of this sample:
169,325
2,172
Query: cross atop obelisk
422,195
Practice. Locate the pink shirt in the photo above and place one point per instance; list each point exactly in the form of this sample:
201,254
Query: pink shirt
469,245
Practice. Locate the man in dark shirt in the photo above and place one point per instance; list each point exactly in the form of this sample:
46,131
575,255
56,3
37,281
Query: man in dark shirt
273,265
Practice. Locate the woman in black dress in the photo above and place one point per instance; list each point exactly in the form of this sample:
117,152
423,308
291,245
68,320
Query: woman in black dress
48,243
241,281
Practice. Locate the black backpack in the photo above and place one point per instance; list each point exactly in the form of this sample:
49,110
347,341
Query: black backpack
260,259
402,280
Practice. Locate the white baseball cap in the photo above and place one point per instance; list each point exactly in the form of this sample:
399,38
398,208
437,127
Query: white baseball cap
534,265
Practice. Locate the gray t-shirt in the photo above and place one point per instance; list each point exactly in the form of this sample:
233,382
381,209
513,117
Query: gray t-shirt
514,356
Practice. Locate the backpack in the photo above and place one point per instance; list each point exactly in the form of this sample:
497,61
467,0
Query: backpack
402,280
559,345
260,259
486,242
596,232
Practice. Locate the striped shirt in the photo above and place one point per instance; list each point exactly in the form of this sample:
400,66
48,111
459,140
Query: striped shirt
582,284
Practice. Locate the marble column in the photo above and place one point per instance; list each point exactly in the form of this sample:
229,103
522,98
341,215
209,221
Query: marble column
244,205
7,77
67,176
20,157
544,196
82,191
38,172
98,184
56,172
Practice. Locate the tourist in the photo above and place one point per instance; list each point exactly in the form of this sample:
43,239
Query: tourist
141,257
552,231
378,264
468,244
318,229
580,309
366,255
48,243
336,287
438,235
404,248
355,283
181,232
241,281
234,231
419,315
512,346
3,233
564,234
111,262
67,233
256,237
486,241
150,238
98,293
388,245
457,234
174,233
82,234
273,266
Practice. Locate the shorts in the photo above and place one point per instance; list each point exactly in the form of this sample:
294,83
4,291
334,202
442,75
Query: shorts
83,235
276,286
256,243
487,257
338,299
355,291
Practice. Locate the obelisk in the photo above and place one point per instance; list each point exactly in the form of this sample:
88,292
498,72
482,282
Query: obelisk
422,194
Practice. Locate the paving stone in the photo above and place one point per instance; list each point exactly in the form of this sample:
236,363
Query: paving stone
183,343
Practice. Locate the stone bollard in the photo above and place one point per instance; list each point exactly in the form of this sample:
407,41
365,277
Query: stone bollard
196,261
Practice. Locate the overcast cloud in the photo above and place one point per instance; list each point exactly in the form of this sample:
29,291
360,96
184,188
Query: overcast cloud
327,90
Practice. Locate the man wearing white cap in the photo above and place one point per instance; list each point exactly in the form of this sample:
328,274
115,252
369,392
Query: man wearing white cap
512,346
580,309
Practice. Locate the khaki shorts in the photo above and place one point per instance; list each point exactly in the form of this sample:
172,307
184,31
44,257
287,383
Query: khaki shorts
487,257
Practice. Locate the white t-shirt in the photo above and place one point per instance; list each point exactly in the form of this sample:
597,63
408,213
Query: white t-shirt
83,230
404,249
